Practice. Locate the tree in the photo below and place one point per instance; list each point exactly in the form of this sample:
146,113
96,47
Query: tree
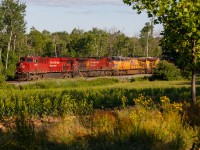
36,41
146,35
181,22
12,34
61,40
75,44
12,24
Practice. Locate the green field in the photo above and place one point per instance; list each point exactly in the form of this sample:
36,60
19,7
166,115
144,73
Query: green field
101,113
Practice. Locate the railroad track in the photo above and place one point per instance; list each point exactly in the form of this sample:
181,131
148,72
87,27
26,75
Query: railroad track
19,83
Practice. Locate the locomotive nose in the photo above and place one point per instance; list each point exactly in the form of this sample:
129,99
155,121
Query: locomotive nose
20,67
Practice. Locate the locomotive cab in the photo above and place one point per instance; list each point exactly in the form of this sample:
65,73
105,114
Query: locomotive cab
22,69
25,67
34,67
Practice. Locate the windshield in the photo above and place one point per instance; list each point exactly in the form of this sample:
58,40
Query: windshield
29,60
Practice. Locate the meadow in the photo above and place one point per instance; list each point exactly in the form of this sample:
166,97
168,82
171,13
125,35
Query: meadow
102,113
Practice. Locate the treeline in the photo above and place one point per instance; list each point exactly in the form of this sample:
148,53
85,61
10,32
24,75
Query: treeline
15,42
96,42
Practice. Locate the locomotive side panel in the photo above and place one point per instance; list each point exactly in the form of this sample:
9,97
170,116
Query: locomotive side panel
41,65
126,65
95,66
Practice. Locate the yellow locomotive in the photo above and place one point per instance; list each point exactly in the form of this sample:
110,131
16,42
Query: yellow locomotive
129,65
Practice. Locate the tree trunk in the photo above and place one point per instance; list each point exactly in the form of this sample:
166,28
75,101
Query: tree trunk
8,49
0,60
55,49
193,88
193,75
0,55
14,43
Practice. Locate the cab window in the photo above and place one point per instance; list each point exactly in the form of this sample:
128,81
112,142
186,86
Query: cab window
22,59
29,60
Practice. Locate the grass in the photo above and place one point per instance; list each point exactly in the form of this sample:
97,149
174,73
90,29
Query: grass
105,82
56,97
138,127
68,114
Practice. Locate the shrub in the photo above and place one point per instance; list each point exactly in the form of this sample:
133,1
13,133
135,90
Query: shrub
166,71
2,79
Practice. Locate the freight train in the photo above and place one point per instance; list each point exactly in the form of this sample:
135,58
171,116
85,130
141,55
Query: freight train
35,67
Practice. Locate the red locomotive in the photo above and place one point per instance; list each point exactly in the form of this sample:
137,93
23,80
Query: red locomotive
31,68
95,66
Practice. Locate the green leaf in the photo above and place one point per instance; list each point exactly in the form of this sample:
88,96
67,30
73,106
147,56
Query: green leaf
150,15
189,34
194,29
198,41
185,10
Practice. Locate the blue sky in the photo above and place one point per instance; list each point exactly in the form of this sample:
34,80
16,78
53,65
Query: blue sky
65,15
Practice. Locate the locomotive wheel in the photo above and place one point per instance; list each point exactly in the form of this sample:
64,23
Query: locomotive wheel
109,73
116,73
42,76
27,76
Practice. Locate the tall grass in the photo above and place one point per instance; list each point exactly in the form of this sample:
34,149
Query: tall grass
61,97
147,125
98,114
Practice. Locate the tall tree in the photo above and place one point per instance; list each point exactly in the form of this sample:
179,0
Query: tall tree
12,23
146,35
75,44
62,39
36,41
181,22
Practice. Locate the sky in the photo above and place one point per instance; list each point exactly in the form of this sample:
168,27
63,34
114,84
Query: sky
65,15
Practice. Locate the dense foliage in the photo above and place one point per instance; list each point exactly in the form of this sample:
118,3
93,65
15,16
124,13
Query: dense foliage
166,71
12,31
181,41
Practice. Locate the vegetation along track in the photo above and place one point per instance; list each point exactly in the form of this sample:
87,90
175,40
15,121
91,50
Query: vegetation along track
18,83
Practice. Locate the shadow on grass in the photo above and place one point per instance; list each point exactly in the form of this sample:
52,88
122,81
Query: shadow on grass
27,137
142,141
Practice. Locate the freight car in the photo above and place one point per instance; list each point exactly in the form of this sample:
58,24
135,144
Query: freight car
31,68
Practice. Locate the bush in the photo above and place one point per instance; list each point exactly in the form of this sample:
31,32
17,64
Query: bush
166,71
2,79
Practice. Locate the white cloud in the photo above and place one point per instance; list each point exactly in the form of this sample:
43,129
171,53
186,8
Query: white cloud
67,3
